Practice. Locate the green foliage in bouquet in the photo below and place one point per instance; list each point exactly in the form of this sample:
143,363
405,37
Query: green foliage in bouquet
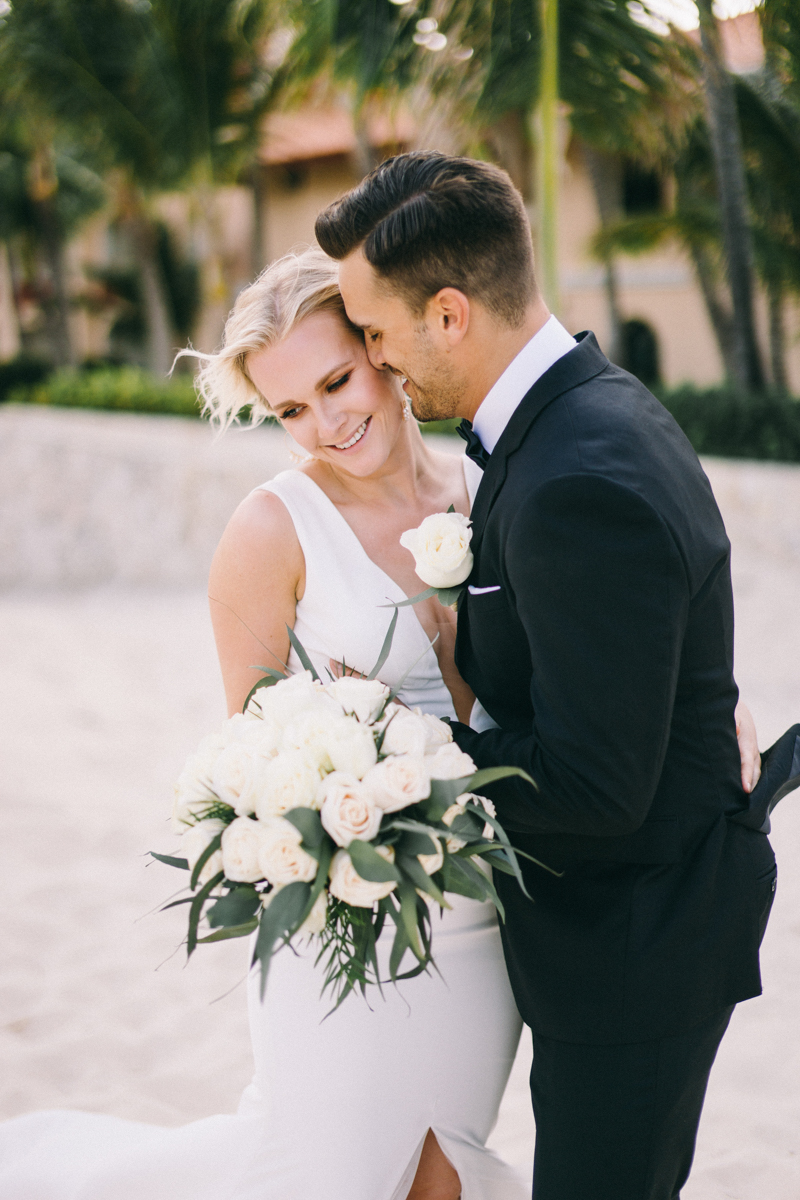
419,840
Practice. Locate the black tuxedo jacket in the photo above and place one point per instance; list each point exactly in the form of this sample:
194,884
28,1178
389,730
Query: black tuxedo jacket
606,658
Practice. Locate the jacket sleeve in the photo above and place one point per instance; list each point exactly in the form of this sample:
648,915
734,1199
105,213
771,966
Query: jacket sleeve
602,594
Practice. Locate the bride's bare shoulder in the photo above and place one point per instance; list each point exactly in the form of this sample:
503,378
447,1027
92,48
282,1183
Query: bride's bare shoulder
260,536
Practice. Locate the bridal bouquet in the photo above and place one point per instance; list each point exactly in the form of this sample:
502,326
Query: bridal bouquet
328,810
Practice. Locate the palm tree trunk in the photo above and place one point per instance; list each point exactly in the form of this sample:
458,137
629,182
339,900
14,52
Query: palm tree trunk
726,144
43,188
161,340
547,157
777,337
605,173
720,317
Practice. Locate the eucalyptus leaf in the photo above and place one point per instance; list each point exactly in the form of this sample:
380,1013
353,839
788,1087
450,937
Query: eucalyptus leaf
230,931
461,881
489,775
409,916
370,865
416,843
237,907
450,596
309,823
300,651
212,847
426,595
279,920
170,861
386,647
196,911
413,868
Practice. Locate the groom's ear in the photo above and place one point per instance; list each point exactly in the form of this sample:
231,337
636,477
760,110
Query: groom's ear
447,316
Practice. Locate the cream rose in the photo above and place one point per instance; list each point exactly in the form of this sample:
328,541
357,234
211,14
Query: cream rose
241,843
361,698
289,781
440,545
398,781
347,885
194,842
280,856
263,734
486,805
347,809
431,863
449,762
406,733
194,789
351,748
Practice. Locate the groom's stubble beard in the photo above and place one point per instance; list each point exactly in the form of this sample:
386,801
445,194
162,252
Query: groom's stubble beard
437,391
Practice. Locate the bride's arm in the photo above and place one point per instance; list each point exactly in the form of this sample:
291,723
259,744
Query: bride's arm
257,576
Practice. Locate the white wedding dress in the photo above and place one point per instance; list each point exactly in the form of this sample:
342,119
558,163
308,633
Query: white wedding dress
339,1108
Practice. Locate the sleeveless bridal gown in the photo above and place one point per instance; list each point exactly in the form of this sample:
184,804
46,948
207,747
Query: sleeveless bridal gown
338,1109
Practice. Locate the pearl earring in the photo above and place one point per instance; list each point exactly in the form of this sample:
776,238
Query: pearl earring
406,409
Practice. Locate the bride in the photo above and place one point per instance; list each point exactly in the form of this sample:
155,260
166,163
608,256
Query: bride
392,1099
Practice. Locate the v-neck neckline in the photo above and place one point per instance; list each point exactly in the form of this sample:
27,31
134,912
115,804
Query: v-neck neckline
363,551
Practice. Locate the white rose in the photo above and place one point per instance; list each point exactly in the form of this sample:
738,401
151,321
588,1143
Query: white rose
280,856
440,545
241,843
289,781
431,863
194,788
398,781
194,842
361,698
291,698
311,732
437,733
262,733
449,762
315,921
231,772
347,885
347,809
406,733
351,748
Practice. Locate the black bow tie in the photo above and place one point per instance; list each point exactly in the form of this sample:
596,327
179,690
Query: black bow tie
475,447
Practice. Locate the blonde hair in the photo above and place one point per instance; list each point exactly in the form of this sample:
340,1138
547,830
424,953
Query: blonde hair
290,289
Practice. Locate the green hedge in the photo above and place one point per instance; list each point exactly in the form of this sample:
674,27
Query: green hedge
718,421
727,423
126,389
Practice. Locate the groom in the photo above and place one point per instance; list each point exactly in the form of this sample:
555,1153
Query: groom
597,634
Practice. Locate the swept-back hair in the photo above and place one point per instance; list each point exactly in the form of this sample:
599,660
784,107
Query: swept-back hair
290,289
427,220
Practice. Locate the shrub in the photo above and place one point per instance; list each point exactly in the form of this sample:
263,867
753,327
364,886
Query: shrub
128,389
22,371
731,424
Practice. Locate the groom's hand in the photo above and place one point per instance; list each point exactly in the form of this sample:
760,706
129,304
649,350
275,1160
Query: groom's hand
748,747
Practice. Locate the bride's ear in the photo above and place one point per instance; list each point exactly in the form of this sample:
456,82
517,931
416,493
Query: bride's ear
447,316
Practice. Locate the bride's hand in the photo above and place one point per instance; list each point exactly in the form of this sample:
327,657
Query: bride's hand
748,746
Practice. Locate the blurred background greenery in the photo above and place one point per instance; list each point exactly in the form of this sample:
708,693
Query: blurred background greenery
156,154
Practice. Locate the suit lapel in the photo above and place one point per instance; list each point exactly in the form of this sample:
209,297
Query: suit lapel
574,368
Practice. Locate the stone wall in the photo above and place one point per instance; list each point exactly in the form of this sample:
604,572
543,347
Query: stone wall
89,498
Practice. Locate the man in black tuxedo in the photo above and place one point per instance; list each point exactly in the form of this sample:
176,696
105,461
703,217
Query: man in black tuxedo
597,634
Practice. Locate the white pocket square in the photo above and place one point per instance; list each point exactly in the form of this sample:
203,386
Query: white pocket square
476,591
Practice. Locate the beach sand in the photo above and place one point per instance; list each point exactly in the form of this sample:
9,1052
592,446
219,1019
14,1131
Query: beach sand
103,695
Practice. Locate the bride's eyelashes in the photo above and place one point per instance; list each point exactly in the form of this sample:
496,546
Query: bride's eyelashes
339,383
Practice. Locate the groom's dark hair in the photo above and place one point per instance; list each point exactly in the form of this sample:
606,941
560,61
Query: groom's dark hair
427,220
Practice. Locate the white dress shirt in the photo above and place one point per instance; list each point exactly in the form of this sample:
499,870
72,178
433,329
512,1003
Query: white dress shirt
546,347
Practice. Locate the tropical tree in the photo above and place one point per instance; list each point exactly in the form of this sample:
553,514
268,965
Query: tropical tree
163,94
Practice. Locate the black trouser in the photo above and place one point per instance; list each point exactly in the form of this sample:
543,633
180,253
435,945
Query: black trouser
620,1122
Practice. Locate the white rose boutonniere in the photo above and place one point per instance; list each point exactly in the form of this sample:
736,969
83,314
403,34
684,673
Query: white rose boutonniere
442,557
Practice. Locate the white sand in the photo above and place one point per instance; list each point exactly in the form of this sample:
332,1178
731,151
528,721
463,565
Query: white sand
102,696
